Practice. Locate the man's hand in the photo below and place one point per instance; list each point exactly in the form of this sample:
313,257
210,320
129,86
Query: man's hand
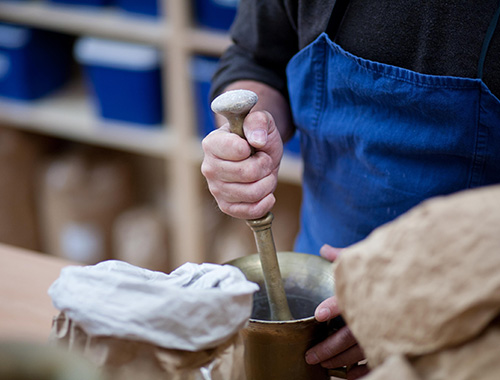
341,348
243,184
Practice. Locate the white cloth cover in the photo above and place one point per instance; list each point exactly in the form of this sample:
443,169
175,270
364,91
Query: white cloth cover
197,306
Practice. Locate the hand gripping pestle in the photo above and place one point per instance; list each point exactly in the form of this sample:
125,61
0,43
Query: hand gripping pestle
235,105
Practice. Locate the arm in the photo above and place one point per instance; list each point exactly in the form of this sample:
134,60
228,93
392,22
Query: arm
264,40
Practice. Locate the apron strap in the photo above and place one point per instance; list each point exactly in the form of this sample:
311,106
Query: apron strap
486,42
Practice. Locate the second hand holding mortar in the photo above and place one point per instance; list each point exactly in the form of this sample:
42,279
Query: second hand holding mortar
235,105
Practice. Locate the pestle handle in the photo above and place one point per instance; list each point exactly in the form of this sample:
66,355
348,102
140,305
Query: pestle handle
235,106
280,311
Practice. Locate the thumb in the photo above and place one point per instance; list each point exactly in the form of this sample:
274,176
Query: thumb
326,310
330,253
257,128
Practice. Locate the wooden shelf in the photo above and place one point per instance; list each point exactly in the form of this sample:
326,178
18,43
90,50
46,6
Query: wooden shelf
111,23
69,114
106,22
207,42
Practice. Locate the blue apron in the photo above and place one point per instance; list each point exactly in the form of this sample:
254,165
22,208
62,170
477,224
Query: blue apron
377,139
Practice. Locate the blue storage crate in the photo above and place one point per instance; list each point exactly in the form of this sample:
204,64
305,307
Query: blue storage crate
215,14
125,79
142,7
91,3
33,62
202,70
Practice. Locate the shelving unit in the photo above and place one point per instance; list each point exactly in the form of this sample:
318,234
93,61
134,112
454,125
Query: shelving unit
68,114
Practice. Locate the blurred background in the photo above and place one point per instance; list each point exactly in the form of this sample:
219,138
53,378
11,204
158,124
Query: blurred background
103,106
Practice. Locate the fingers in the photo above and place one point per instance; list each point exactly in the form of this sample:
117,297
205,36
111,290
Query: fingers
333,346
247,170
234,192
242,190
249,210
350,356
330,253
223,145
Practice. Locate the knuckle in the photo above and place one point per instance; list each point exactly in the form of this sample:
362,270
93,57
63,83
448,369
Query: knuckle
207,143
214,190
224,207
238,148
243,149
259,118
204,144
266,163
206,169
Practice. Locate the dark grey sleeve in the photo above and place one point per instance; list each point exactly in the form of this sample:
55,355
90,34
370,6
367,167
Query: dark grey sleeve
264,39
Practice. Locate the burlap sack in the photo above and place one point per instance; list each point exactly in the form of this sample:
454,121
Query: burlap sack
426,288
123,359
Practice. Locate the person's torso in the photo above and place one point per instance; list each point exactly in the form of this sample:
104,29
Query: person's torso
378,139
429,37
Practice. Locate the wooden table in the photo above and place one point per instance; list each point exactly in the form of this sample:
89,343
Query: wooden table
26,310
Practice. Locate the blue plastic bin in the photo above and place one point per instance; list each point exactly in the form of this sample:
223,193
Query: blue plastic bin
91,3
202,70
141,7
33,62
215,14
125,80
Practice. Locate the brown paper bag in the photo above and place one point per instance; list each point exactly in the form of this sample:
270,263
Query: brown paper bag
123,359
19,153
82,193
426,287
140,238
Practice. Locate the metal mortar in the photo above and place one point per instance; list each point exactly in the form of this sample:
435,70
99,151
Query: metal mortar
276,349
